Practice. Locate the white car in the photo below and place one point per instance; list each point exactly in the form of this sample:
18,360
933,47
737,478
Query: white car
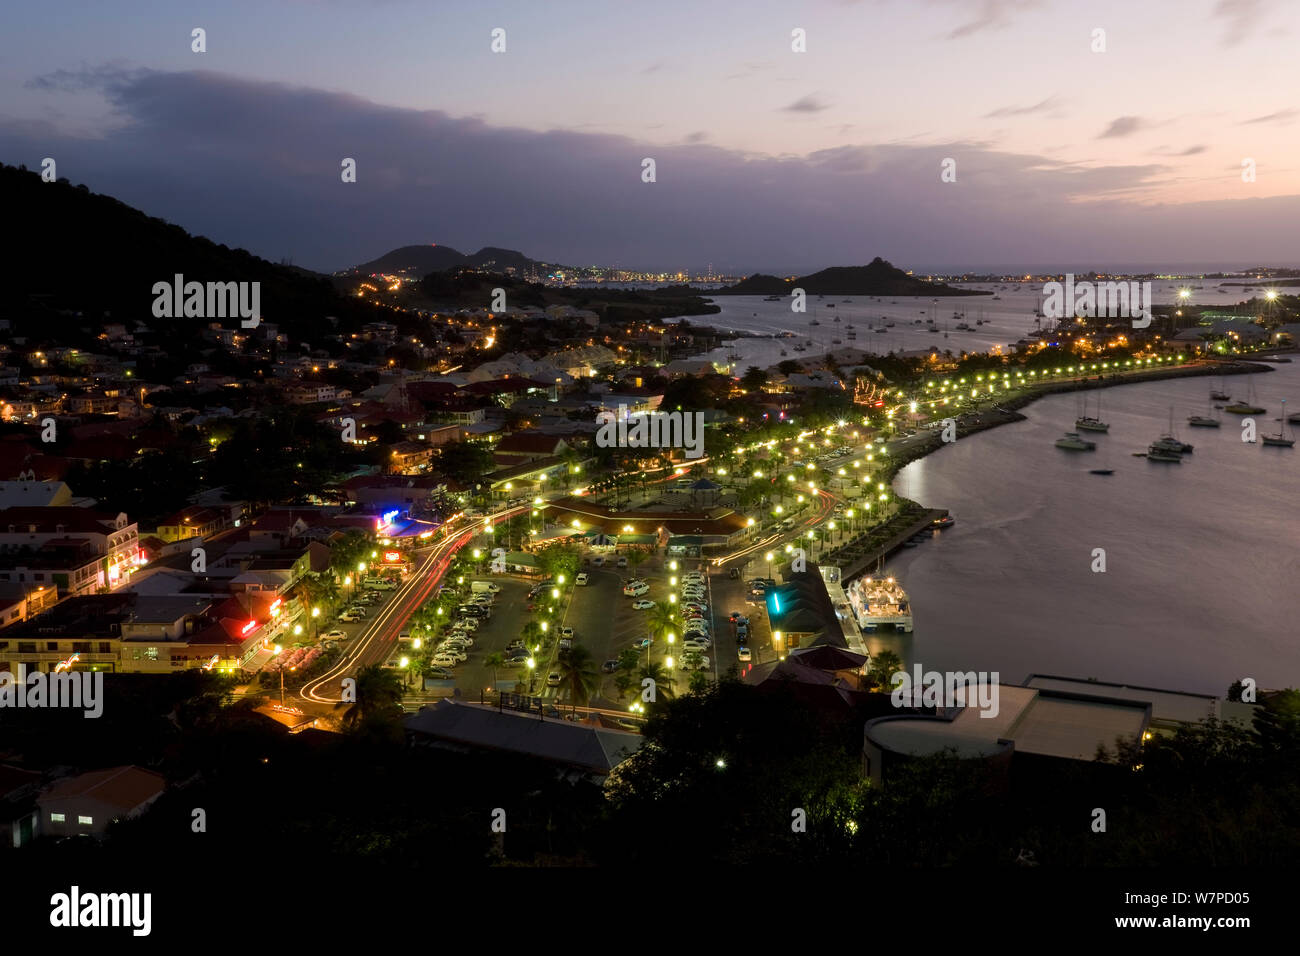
642,605
743,654
698,647
582,579
457,635
468,624
694,594
336,635
693,662
443,660
636,590
454,653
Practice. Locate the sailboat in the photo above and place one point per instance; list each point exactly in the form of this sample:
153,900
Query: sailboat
1248,407
1277,439
1168,442
1203,421
1089,424
1220,394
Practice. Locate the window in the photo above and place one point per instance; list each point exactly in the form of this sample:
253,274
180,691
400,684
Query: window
105,647
26,647
57,818
51,645
85,821
81,647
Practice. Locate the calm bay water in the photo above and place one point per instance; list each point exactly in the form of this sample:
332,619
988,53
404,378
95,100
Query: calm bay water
1201,558
1008,319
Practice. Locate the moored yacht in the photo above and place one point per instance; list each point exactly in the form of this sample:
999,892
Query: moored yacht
1072,442
1162,454
880,601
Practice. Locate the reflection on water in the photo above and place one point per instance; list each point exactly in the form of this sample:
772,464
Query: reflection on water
1201,566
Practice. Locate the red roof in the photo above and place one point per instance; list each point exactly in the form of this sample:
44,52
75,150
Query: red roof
73,520
123,787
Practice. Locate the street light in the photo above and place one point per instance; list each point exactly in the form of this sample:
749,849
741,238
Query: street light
315,619
768,556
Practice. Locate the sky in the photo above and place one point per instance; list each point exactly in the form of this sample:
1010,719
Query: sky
1076,135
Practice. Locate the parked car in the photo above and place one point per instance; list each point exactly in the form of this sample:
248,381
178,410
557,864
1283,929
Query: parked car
443,661
566,644
622,561
609,666
440,673
335,635
695,662
454,653
642,605
348,617
515,660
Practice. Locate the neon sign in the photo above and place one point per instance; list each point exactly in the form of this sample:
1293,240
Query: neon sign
392,556
66,665
212,663
248,627
388,518
275,608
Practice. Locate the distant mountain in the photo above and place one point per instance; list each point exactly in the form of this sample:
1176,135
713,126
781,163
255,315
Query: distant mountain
78,251
422,260
878,277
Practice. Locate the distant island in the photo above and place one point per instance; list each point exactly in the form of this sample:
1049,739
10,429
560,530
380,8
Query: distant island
878,277
421,260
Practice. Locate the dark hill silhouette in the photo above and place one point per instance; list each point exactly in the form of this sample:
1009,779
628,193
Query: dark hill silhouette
878,277
422,260
79,251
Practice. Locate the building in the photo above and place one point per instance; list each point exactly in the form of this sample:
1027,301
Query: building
114,540
88,803
693,531
585,749
528,446
19,816
409,457
192,522
802,613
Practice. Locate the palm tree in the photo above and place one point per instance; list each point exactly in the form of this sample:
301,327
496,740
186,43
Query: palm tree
664,620
379,697
578,673
635,559
699,682
659,674
494,660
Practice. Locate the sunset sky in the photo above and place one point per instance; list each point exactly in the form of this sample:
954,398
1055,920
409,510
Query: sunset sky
766,158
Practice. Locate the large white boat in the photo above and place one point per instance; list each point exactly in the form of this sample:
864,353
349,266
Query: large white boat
877,602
